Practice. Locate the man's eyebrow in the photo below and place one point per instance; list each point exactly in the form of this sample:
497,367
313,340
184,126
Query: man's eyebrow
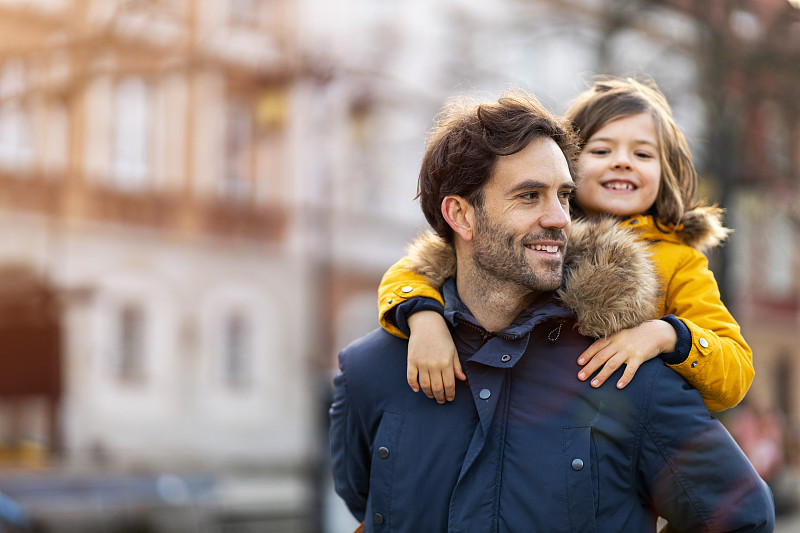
532,184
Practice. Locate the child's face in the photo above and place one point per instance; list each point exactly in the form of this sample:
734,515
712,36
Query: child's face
620,168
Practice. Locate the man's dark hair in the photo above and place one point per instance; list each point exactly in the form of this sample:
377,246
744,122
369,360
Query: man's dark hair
466,141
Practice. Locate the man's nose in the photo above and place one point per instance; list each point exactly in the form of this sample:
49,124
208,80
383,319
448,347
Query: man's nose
556,215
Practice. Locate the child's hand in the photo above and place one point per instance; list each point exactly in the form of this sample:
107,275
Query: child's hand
631,347
433,356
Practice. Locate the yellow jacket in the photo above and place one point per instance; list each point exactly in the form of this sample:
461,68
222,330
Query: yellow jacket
720,363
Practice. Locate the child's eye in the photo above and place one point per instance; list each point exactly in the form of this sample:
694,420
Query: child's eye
644,155
600,151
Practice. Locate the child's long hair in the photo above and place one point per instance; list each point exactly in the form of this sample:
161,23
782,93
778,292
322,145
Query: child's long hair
612,98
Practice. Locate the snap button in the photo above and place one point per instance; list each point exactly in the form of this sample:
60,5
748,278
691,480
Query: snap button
694,364
383,452
506,358
634,222
484,394
577,464
390,302
407,289
703,342
378,517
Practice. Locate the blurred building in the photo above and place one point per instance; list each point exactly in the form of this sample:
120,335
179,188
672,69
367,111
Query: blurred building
156,308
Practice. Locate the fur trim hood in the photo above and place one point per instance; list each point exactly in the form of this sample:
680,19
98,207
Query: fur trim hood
701,228
610,282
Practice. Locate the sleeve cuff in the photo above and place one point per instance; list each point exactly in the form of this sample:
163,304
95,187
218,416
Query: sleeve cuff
411,306
684,344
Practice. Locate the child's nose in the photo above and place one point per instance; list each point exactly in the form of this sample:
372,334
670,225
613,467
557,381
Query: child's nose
621,162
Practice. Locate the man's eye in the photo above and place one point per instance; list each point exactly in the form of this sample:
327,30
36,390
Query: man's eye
567,195
529,195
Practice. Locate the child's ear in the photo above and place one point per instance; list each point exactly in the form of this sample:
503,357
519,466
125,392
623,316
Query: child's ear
459,215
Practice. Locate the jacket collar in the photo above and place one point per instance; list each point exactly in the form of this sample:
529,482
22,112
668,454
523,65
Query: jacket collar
542,309
700,228
610,282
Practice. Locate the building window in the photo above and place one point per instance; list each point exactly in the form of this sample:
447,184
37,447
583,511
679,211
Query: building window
777,139
55,158
235,349
16,149
784,372
243,12
16,145
131,343
779,264
131,166
237,181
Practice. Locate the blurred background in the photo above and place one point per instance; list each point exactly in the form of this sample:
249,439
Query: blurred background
198,199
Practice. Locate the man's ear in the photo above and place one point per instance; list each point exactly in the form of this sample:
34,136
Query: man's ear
459,215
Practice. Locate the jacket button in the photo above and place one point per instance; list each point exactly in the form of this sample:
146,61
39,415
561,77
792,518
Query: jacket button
694,364
407,289
506,358
378,517
634,221
577,464
383,452
390,302
484,394
703,342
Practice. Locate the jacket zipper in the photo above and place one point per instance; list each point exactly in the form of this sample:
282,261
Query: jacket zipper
486,335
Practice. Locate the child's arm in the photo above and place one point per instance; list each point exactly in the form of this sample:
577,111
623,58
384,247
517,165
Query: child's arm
433,357
410,305
399,284
719,363
630,347
704,344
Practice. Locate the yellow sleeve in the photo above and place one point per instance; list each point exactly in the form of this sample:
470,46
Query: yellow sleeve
399,284
720,363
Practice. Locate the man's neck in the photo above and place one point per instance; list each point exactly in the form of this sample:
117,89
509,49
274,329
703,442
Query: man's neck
493,303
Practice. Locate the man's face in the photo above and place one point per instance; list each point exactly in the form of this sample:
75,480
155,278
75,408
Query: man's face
521,232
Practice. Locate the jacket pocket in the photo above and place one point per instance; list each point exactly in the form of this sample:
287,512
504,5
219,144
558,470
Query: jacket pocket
381,479
579,468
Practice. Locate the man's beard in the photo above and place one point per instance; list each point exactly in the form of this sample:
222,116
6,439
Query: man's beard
501,255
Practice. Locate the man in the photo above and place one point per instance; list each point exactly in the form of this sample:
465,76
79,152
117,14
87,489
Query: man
524,446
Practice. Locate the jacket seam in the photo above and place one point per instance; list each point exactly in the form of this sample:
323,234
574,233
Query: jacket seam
637,441
502,442
351,411
645,427
679,477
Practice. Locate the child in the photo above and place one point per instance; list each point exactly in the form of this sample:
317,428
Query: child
634,164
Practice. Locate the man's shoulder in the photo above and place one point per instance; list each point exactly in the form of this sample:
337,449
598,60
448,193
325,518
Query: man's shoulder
374,365
661,388
374,350
377,339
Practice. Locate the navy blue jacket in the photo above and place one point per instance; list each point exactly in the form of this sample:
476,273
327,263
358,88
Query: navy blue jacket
526,446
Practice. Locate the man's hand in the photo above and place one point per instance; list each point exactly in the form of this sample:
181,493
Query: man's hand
433,357
630,347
